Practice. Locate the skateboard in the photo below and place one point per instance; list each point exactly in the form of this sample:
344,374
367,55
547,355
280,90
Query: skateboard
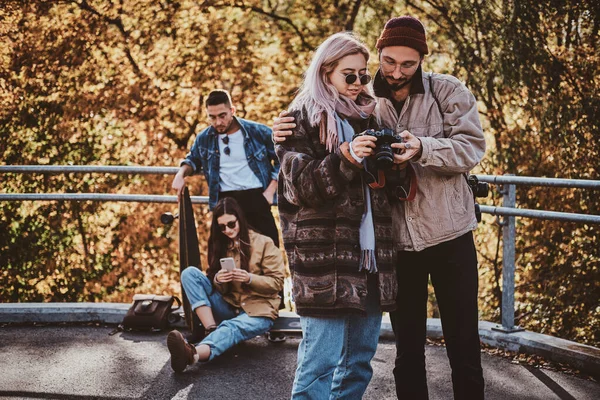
287,322
189,255
189,251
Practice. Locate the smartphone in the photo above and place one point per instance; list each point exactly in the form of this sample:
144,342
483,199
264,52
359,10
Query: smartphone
227,263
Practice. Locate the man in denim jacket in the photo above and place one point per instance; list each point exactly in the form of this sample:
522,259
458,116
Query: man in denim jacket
238,160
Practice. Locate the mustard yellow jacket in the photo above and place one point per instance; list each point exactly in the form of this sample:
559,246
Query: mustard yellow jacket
260,297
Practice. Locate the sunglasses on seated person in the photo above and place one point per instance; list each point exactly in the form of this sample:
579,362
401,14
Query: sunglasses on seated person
230,225
351,78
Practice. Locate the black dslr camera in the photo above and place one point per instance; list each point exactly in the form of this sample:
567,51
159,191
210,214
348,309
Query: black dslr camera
479,189
384,154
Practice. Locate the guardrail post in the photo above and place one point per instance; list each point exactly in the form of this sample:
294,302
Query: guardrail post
509,199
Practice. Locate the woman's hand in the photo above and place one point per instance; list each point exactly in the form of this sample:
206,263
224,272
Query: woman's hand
241,275
223,276
363,145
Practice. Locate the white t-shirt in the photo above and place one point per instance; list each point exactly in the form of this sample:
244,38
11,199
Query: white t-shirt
234,171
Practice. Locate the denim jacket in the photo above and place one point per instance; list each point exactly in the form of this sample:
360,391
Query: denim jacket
260,152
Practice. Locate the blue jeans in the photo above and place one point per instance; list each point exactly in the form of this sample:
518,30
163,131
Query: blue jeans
334,356
235,325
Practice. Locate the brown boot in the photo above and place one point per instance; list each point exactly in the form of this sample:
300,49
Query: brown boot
182,353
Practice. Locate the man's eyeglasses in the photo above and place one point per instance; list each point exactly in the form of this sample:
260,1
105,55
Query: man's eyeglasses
406,68
226,150
351,78
230,225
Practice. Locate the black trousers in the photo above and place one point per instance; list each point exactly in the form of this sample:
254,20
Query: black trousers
257,210
452,267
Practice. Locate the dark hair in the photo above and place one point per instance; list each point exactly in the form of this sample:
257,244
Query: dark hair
218,96
218,242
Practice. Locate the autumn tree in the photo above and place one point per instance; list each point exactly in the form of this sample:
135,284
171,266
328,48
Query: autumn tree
122,82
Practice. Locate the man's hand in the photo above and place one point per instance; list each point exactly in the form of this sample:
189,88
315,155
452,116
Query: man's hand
363,145
241,275
410,146
178,185
269,192
179,180
282,126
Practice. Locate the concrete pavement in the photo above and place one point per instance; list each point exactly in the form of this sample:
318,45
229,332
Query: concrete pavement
84,362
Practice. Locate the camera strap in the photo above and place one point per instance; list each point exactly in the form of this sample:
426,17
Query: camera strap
439,106
411,177
378,183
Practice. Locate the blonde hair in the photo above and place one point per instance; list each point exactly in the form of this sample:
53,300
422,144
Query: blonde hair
317,94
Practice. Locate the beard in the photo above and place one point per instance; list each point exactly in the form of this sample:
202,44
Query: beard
224,129
394,87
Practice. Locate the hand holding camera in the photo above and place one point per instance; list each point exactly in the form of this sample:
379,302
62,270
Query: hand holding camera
363,145
411,146
381,143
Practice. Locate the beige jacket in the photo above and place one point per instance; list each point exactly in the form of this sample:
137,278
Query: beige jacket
260,297
443,208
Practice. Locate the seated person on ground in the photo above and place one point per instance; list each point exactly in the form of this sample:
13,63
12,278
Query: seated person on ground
233,305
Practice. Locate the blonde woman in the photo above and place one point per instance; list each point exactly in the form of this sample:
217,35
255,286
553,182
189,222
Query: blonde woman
336,228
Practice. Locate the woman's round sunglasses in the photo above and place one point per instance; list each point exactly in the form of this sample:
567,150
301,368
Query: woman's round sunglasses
230,225
351,78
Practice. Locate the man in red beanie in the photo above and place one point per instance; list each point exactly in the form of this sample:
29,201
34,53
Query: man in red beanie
437,118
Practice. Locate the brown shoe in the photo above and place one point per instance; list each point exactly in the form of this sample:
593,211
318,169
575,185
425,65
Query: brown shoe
182,353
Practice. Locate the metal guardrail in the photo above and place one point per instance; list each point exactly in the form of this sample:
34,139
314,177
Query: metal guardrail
533,181
508,211
141,198
508,188
97,169
101,169
551,215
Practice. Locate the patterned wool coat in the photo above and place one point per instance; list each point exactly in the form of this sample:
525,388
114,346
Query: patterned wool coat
321,204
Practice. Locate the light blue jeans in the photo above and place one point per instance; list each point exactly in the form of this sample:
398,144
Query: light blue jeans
235,325
334,356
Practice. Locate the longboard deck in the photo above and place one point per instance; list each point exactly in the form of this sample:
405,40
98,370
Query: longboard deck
189,251
287,322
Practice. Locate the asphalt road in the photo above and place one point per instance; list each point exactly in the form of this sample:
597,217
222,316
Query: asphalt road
84,362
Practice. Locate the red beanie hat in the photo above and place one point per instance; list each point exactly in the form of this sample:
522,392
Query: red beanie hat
403,31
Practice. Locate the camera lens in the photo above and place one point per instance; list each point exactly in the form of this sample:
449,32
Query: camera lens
482,189
384,156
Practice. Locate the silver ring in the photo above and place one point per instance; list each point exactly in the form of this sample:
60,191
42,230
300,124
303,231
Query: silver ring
407,146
